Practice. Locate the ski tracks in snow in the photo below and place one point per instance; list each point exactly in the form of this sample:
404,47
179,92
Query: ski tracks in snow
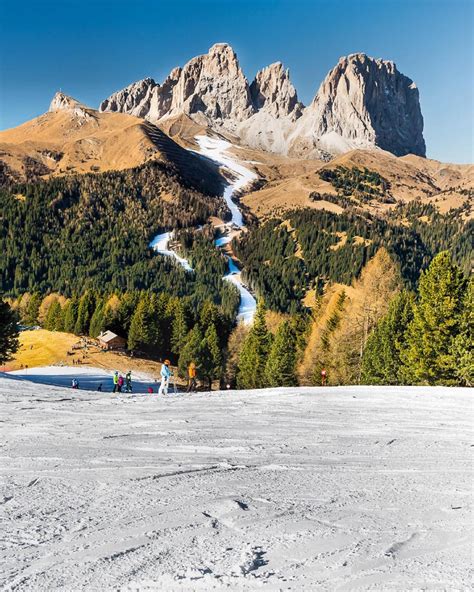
286,489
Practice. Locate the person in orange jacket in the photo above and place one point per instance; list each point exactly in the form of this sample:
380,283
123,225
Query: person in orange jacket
192,386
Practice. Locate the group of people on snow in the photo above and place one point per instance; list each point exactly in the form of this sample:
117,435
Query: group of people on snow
120,381
124,383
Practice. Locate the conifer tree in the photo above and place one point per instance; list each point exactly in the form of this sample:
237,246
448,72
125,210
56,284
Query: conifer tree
8,332
53,317
463,345
138,334
211,355
429,358
70,315
280,369
381,362
192,351
97,324
179,329
84,314
32,310
255,350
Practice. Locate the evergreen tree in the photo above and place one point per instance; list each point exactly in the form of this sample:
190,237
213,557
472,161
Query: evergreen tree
192,351
70,315
429,358
54,317
179,329
211,355
381,362
8,332
97,324
280,369
31,317
84,314
255,350
139,332
463,345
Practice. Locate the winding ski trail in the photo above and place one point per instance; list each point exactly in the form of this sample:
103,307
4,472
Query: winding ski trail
217,150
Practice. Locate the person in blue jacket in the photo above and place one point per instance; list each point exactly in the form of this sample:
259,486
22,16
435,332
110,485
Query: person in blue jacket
166,374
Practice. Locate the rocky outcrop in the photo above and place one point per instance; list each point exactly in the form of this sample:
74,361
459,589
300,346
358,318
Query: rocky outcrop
273,92
362,103
212,88
62,102
134,99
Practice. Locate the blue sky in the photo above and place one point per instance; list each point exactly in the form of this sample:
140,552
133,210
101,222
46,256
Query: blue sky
90,49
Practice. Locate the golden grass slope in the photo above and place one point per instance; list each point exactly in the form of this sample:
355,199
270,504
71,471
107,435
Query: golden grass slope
289,185
61,142
45,348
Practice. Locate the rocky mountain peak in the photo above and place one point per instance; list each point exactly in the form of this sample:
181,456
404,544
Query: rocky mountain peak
367,102
362,103
63,102
273,92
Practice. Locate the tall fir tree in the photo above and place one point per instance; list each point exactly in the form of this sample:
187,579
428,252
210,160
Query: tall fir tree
463,345
32,311
280,369
85,311
211,358
97,324
8,332
192,351
180,328
70,315
53,318
381,362
255,350
429,358
139,331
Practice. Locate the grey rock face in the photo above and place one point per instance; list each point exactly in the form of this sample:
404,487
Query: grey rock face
365,102
362,103
134,99
273,92
62,102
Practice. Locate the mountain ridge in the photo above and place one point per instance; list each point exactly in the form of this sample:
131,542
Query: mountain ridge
362,103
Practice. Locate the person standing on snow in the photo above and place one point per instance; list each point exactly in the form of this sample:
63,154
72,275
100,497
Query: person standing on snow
192,386
128,381
120,383
115,379
166,374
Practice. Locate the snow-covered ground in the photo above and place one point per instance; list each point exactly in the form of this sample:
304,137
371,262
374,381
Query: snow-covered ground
291,489
217,150
88,378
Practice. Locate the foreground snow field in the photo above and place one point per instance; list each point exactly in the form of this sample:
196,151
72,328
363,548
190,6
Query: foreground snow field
293,489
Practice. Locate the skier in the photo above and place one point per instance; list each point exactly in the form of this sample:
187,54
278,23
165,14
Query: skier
128,381
120,383
192,386
75,383
166,374
115,379
99,388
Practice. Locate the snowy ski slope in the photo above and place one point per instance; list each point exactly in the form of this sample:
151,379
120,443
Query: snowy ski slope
331,489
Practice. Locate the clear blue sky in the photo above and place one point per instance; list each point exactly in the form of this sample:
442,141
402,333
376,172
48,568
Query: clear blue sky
91,48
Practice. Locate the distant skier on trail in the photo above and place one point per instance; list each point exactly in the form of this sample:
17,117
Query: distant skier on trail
166,374
120,382
75,383
192,386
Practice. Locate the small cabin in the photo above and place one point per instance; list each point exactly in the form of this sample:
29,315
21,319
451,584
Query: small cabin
109,340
